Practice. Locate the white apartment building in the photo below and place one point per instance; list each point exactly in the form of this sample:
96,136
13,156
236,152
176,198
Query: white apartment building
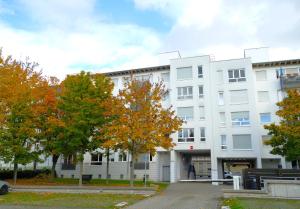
224,104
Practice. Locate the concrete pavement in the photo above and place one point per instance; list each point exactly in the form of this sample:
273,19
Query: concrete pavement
184,196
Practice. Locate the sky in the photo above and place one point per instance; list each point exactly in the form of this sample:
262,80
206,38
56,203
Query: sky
67,36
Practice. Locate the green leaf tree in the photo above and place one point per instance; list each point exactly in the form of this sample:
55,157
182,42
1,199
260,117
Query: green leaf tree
285,139
81,101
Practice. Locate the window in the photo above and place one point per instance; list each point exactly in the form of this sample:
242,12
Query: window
186,135
142,78
236,75
220,76
200,71
165,77
222,118
261,75
238,96
112,157
201,95
122,157
96,159
185,113
242,141
265,138
184,73
221,98
185,92
265,117
202,112
126,79
240,118
223,142
115,81
202,134
263,96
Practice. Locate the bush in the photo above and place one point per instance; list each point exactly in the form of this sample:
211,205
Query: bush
23,174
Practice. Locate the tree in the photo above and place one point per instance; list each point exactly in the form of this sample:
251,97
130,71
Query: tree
141,124
81,101
49,123
20,96
285,139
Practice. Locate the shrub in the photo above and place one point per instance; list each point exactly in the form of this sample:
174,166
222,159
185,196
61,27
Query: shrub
23,174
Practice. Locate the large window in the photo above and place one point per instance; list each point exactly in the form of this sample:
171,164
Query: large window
223,142
185,92
200,71
236,75
143,78
201,94
265,117
96,159
242,141
238,96
261,75
263,96
221,98
240,118
202,134
185,113
185,73
186,135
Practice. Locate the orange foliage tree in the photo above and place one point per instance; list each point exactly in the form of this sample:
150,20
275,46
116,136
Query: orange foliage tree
20,96
139,122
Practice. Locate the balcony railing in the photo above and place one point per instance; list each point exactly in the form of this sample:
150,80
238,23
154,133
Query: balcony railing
290,81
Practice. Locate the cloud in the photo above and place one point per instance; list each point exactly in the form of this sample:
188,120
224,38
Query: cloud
72,38
209,26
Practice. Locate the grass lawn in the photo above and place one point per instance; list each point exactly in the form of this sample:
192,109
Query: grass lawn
67,200
94,182
257,203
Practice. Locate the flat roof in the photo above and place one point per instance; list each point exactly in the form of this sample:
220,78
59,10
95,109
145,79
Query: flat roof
138,70
276,63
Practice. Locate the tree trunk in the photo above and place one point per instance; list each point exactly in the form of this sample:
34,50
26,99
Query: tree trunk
132,170
80,171
54,161
15,172
107,166
34,165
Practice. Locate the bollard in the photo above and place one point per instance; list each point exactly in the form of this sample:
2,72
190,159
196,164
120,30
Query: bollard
236,182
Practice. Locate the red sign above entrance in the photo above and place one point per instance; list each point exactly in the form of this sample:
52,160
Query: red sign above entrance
191,147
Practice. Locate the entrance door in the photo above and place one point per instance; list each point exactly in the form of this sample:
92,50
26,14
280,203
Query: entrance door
165,173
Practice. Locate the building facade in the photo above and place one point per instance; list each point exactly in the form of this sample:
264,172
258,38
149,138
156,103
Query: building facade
224,105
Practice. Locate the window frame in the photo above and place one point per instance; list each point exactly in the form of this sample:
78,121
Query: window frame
221,100
201,95
202,134
185,118
237,149
182,96
184,79
189,138
224,145
98,162
200,69
241,122
260,116
237,75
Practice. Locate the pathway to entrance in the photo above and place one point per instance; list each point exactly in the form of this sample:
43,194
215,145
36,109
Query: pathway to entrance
184,196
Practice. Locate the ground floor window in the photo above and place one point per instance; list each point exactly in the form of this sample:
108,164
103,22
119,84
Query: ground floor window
96,158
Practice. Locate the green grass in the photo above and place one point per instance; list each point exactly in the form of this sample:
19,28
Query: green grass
261,203
67,200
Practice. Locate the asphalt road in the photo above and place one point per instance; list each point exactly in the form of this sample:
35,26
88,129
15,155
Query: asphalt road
184,196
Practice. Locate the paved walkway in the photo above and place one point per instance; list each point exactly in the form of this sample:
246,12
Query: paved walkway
184,196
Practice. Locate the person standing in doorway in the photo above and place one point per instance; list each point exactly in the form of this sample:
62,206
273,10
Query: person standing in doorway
191,170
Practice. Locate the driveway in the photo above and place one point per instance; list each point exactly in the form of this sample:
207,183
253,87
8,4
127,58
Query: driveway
184,196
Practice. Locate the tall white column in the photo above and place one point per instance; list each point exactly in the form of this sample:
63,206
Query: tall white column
214,169
173,171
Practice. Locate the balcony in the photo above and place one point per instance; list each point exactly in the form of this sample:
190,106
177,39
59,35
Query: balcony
290,81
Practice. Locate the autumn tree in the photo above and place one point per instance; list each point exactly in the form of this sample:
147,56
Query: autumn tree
20,95
141,124
81,101
49,122
285,139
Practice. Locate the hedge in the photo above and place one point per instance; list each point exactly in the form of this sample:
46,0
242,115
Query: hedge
23,174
